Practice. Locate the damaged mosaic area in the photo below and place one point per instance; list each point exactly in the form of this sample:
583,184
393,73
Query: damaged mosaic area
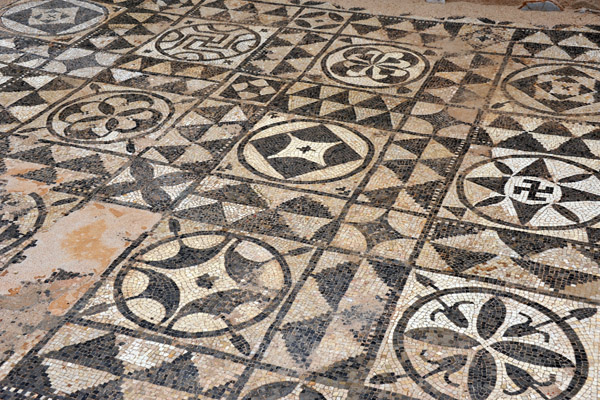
235,199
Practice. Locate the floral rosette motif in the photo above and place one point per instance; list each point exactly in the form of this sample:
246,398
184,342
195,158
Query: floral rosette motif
112,116
375,66
477,343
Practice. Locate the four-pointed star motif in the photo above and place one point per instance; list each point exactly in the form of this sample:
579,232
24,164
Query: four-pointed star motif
310,151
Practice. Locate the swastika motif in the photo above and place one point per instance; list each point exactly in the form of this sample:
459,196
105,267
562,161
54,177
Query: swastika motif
206,42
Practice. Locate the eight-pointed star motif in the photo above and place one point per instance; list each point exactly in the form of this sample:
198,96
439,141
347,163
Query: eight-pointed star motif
533,192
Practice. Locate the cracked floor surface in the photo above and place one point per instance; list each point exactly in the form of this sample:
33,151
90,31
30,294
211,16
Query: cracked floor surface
233,199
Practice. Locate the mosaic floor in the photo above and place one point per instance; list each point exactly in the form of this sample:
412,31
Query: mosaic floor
234,199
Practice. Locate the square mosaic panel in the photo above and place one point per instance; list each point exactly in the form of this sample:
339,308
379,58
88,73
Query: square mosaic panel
484,38
455,339
25,51
534,192
207,42
148,185
158,68
288,54
127,31
548,88
321,20
544,263
264,209
563,45
110,117
159,82
450,36
379,232
81,62
269,14
344,104
199,140
250,89
58,20
462,80
203,266
406,30
328,330
396,69
417,165
29,93
517,134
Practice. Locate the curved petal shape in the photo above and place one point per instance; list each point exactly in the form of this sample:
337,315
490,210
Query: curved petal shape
161,289
533,354
482,375
491,317
310,394
272,391
442,337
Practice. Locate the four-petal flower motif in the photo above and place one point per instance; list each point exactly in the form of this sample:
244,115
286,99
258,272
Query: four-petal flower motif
509,347
375,65
115,116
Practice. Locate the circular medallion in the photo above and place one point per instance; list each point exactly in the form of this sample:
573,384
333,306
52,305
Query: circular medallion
478,343
568,89
202,284
110,116
532,192
374,65
207,42
20,217
53,17
305,152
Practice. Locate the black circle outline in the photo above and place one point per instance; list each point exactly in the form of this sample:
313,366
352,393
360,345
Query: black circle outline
418,55
510,76
123,309
460,190
59,108
367,160
581,368
36,226
160,38
106,15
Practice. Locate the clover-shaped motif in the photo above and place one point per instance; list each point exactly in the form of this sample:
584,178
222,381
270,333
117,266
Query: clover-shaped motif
375,64
110,116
